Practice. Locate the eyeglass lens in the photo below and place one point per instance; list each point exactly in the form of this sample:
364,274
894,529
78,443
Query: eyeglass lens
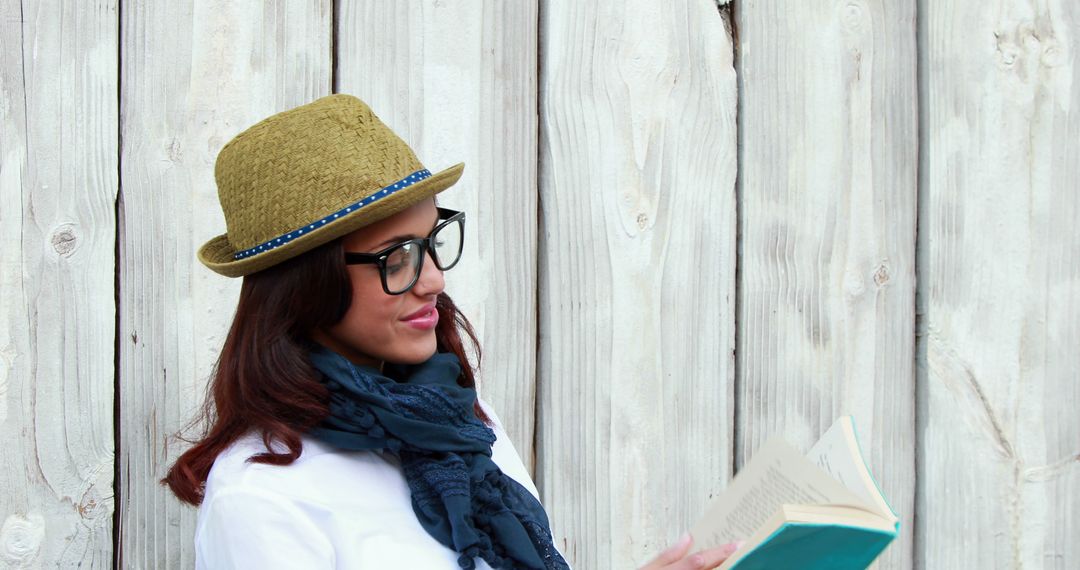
447,244
404,262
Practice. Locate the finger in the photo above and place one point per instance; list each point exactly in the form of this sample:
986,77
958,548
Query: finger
673,553
705,559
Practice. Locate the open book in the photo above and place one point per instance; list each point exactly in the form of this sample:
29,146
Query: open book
819,510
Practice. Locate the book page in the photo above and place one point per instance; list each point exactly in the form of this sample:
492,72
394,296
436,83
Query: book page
837,453
778,474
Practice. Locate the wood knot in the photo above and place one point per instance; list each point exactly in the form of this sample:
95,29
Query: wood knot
64,239
1052,54
853,17
92,505
21,538
1029,43
175,150
1007,53
881,275
642,221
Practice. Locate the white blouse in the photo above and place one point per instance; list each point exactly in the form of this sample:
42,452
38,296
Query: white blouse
328,509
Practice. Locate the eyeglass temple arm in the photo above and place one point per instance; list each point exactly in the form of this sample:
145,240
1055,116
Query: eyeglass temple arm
446,213
355,257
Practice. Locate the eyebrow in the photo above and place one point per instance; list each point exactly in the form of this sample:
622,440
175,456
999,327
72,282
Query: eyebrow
404,237
396,239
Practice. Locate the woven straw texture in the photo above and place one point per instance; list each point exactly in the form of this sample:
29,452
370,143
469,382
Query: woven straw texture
301,165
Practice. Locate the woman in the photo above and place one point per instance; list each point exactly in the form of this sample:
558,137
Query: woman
343,429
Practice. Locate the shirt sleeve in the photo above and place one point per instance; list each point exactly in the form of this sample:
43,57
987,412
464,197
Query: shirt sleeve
505,454
249,528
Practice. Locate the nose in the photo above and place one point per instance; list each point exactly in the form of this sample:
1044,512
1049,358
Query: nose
431,281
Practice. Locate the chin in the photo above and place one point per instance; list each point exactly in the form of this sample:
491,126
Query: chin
417,356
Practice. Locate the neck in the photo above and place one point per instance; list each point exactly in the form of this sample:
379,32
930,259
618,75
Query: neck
354,356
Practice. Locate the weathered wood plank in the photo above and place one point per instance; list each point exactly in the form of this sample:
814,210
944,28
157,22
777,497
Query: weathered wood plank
828,123
999,466
195,73
58,184
457,81
637,272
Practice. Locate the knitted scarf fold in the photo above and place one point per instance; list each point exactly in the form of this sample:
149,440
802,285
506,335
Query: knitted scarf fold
421,415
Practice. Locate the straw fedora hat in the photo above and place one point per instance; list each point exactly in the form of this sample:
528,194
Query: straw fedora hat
306,176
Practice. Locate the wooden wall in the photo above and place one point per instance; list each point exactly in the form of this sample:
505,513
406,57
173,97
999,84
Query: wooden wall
999,286
58,189
637,272
195,72
691,227
827,197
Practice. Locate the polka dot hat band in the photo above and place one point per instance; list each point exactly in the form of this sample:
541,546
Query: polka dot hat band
308,175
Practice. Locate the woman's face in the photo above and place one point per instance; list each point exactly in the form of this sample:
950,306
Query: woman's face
376,327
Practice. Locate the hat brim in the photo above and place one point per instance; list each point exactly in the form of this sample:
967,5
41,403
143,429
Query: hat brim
218,254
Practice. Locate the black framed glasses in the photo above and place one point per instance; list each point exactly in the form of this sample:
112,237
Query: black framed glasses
401,263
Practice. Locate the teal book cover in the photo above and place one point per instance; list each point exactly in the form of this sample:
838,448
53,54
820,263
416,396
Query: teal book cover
819,509
811,546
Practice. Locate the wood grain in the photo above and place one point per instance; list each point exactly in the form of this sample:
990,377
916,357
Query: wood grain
828,166
195,73
58,184
457,81
999,445
603,278
636,274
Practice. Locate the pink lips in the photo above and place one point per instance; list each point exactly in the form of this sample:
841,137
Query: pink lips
425,318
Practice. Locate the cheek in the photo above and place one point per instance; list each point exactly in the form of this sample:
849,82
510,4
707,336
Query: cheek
372,315
371,326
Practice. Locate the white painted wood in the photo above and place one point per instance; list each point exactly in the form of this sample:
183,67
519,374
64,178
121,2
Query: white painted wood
457,81
195,73
634,252
999,448
828,123
57,189
637,272
58,183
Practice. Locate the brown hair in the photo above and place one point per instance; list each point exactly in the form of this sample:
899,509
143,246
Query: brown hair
263,380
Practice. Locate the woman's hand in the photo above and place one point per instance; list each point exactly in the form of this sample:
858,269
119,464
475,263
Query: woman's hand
675,558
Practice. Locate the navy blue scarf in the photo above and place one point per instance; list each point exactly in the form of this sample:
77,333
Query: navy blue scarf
421,415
